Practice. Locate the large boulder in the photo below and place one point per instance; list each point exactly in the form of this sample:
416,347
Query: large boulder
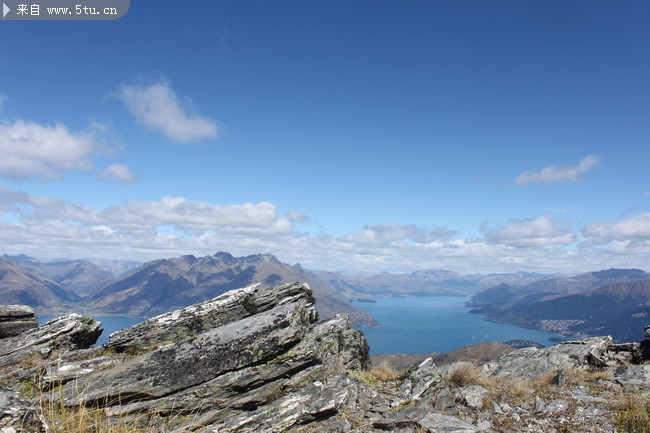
67,333
531,363
16,319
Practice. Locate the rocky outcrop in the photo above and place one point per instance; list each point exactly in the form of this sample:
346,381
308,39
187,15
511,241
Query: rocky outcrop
64,334
250,359
257,360
15,319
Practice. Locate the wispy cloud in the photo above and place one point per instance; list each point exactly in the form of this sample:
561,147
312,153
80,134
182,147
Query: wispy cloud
559,174
532,232
157,107
117,173
29,149
3,99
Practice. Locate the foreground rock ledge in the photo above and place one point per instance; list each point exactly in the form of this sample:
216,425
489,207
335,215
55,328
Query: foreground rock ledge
256,360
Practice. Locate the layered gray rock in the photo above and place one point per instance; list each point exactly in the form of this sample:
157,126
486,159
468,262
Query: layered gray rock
17,414
15,319
531,363
249,359
227,308
71,332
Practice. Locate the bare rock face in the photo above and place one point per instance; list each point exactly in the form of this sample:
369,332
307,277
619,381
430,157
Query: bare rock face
249,360
57,336
17,414
15,319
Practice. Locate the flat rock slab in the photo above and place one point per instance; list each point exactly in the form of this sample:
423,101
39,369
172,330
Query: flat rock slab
59,335
196,360
227,308
438,423
532,363
418,416
633,376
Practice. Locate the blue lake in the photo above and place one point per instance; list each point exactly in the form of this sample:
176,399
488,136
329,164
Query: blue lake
436,324
109,323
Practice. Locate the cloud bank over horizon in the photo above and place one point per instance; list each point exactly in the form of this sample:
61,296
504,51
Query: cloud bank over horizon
46,227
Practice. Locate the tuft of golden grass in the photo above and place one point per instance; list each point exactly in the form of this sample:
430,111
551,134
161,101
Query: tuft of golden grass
386,373
579,376
379,375
464,374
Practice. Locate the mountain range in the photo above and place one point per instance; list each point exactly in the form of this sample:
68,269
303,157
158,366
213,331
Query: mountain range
19,285
613,301
155,287
424,283
79,276
167,284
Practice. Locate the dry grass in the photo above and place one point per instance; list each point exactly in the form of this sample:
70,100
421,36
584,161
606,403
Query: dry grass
61,418
379,375
386,373
37,359
464,374
577,376
82,419
517,391
543,382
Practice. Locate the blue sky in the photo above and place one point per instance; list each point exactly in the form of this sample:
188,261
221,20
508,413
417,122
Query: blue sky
345,135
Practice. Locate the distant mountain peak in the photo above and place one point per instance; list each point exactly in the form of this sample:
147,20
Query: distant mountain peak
223,255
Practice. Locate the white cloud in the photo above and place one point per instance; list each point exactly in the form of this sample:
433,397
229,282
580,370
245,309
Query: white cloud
296,216
46,227
535,232
260,219
117,173
632,229
46,152
246,219
157,107
561,174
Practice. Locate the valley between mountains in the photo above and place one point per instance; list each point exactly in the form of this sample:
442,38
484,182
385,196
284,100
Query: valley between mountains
612,302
